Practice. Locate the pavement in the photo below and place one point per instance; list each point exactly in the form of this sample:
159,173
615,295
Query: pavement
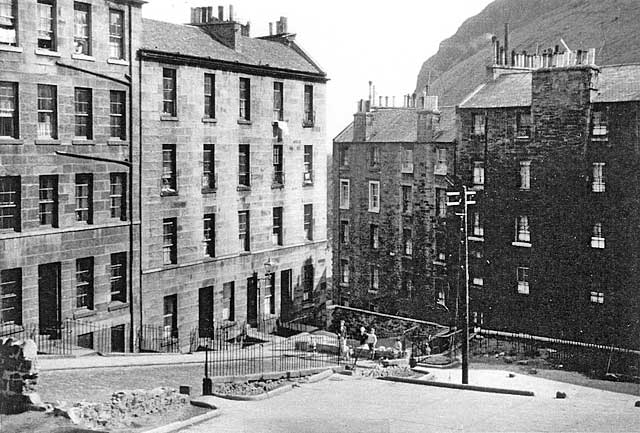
354,404
46,363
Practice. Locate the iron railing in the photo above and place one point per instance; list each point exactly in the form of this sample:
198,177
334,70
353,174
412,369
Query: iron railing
153,338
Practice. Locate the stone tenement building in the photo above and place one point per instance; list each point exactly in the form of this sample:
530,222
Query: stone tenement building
233,177
389,210
205,203
551,145
68,238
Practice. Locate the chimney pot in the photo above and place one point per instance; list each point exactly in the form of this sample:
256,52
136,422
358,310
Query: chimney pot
221,13
506,38
386,101
230,12
270,29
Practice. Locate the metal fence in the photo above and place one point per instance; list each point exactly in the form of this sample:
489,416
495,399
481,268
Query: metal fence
158,339
69,337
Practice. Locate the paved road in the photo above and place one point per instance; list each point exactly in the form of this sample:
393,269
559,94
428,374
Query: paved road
346,404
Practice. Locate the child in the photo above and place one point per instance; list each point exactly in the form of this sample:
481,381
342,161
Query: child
372,340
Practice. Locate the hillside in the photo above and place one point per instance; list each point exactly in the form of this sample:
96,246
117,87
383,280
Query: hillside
459,66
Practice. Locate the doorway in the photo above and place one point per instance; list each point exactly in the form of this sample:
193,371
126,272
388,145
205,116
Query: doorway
49,299
252,300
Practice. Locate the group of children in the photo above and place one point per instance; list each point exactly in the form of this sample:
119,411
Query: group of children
365,338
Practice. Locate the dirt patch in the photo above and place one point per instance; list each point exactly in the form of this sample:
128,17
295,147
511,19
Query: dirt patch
250,388
380,371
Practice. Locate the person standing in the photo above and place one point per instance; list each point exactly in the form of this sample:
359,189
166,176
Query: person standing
372,340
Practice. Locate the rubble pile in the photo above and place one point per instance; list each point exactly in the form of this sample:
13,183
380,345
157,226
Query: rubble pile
18,375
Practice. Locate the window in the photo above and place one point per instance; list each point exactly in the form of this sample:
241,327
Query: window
597,298
48,201
83,116
116,34
278,100
522,229
209,96
374,283
478,229
84,283
11,296
344,271
307,282
407,160
407,199
525,175
245,99
441,162
598,177
308,165
118,128
522,275
344,232
208,167
47,25
8,105
7,23
407,286
309,113
344,193
478,173
278,170
209,238
523,125
228,301
118,277
169,169
277,226
269,293
407,242
84,198
169,241
374,155
441,202
374,236
170,316
118,196
169,84
344,155
478,281
244,230
10,203
47,112
308,222
244,165
478,125
374,196
441,246
599,125
597,238
82,28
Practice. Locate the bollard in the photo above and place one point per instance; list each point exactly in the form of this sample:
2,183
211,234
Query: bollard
186,390
207,386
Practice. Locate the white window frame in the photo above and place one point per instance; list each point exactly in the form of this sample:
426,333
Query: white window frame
597,238
407,160
597,297
522,278
523,230
525,175
478,281
478,229
598,183
441,166
374,198
375,278
478,173
345,192
344,271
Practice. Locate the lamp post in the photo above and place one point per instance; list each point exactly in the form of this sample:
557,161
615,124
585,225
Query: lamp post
464,198
129,166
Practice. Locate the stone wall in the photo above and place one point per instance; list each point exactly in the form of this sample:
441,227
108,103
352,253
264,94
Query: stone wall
18,374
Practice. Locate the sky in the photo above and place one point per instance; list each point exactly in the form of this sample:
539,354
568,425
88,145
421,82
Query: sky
354,41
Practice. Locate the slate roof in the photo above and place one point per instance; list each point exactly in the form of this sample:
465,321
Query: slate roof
195,41
616,83
399,125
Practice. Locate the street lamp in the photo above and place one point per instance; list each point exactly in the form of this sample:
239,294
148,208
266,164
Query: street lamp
129,166
464,198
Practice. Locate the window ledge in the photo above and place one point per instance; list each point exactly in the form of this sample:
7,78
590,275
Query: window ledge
244,188
308,124
168,193
373,210
521,244
478,187
83,57
244,253
168,118
209,190
11,48
117,142
82,141
117,305
209,120
121,62
83,312
11,141
244,122
277,185
46,141
307,183
525,189
439,263
48,53
476,238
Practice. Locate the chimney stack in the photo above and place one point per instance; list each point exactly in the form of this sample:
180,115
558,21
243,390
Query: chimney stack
221,13
270,29
428,118
230,12
506,39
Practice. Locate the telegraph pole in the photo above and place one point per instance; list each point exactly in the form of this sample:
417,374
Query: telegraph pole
464,198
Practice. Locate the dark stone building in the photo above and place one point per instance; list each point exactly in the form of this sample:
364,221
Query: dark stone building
551,145
389,209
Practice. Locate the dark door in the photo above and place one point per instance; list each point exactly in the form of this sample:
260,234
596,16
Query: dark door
117,338
49,298
286,303
252,300
205,311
